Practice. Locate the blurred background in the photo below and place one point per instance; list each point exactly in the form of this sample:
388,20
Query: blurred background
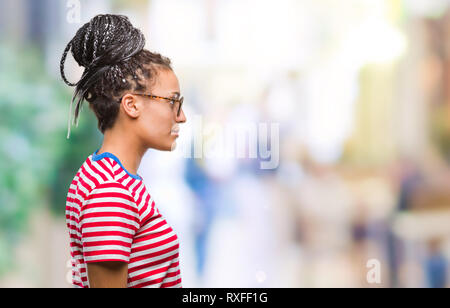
359,91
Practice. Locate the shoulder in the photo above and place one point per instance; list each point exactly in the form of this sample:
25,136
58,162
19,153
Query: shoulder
98,170
110,199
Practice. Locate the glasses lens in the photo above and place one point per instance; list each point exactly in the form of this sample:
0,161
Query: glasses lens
180,102
176,106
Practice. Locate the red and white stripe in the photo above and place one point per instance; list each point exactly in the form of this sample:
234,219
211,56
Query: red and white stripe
112,217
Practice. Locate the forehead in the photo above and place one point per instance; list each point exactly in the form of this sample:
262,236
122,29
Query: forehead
164,83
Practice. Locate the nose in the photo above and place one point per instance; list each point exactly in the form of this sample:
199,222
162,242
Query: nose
181,118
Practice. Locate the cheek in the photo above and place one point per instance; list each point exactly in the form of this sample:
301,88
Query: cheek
156,123
155,131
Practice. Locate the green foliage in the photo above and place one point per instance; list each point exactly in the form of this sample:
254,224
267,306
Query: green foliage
37,162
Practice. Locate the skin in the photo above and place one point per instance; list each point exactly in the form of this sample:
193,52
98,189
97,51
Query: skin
142,123
112,274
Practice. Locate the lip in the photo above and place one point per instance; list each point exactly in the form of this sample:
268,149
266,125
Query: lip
175,130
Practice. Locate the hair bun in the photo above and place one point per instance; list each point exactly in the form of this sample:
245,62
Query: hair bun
103,41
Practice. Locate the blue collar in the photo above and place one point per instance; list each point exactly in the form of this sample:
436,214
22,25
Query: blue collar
96,157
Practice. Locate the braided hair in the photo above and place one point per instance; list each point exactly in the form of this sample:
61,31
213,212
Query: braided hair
112,53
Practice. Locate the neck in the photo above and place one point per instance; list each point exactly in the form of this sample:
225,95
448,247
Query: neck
128,150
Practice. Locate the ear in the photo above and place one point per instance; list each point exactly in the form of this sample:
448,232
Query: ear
131,105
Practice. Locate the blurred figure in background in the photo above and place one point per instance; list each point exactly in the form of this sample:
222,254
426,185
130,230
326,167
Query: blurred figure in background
436,265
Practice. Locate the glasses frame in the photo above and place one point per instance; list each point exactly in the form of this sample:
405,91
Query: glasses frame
172,100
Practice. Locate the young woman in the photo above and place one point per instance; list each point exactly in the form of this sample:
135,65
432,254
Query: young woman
118,238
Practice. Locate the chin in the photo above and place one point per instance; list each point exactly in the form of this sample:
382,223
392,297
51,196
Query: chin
168,145
173,146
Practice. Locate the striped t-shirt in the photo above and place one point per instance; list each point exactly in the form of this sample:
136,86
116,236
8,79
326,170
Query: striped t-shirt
112,217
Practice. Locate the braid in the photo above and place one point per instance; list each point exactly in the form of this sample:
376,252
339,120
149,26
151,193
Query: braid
61,65
112,52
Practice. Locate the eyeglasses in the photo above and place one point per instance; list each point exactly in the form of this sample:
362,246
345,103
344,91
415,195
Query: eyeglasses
175,102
